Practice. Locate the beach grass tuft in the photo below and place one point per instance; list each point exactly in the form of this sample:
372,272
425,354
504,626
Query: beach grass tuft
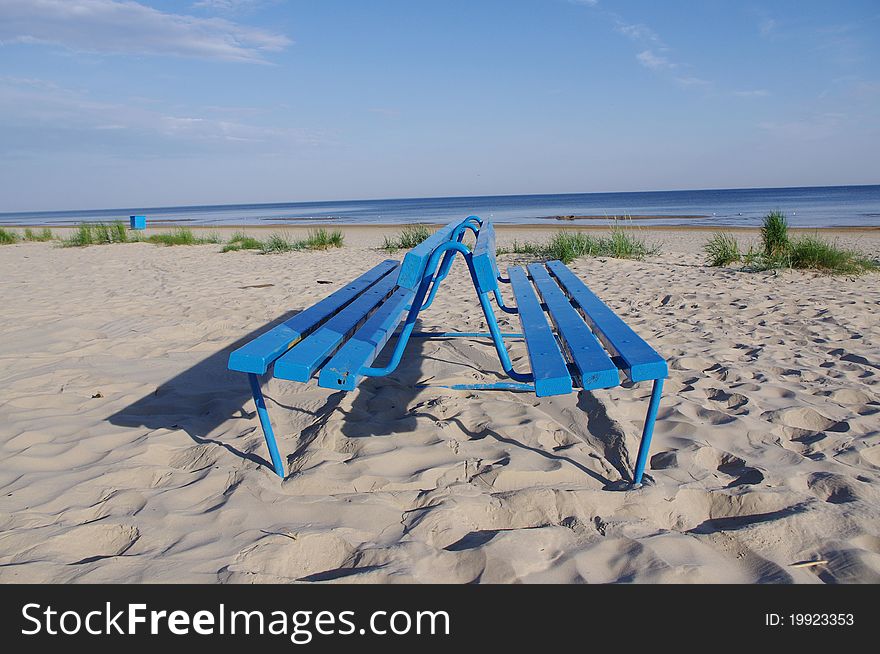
184,236
409,237
774,234
97,234
8,237
619,243
813,253
319,239
41,236
277,242
779,251
241,241
722,250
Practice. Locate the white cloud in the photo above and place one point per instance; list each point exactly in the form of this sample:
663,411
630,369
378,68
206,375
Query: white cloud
651,60
637,31
127,27
752,93
692,81
767,26
40,116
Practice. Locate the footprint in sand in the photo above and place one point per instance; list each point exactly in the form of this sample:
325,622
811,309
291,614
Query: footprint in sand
84,544
832,488
733,401
279,557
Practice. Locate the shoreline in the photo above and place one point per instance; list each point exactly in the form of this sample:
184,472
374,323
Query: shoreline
562,224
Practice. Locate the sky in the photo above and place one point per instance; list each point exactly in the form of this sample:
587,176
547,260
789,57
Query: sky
124,103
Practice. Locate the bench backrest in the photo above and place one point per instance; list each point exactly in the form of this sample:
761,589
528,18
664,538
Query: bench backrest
412,270
484,258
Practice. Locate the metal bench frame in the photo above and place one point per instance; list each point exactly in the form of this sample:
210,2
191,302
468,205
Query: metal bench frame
419,278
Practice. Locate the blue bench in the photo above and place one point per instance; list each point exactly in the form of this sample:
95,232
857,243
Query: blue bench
574,341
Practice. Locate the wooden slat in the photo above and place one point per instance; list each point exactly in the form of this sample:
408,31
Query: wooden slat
548,364
300,361
484,258
257,355
341,371
595,367
638,360
413,268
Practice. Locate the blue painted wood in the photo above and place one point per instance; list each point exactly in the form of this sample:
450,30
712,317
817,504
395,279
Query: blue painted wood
137,222
413,268
595,367
341,372
485,267
548,364
638,360
257,355
300,361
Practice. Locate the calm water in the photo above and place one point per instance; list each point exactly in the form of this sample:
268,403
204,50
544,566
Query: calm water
829,206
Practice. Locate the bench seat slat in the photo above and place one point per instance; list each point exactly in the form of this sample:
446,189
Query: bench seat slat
341,371
639,361
257,355
485,266
548,364
412,270
595,367
300,361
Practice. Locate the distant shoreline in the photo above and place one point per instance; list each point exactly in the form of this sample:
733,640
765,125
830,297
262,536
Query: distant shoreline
502,227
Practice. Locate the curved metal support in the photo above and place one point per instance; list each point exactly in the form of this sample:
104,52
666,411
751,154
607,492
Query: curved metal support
452,247
500,302
446,264
415,308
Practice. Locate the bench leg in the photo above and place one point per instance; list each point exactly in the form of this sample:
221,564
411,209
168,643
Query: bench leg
647,433
266,425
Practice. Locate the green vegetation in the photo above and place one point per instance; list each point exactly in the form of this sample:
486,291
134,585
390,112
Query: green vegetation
319,239
721,250
8,237
811,252
774,234
97,234
41,236
409,237
620,243
277,242
780,251
241,241
183,236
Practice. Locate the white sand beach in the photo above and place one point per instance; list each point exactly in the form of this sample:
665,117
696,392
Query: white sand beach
128,453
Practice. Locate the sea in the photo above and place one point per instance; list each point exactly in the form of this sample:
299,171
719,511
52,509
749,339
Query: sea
825,206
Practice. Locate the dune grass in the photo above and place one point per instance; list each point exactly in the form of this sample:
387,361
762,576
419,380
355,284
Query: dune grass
8,237
321,239
409,237
619,243
183,236
318,239
41,236
241,241
97,234
722,250
774,234
778,250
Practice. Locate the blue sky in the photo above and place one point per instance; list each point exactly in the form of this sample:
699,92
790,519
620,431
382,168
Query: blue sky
110,103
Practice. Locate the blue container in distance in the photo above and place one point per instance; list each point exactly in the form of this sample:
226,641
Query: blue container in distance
138,222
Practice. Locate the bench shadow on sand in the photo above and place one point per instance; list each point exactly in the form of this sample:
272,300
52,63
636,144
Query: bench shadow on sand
182,403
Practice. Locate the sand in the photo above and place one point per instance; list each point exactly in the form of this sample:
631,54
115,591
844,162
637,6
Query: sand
130,453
